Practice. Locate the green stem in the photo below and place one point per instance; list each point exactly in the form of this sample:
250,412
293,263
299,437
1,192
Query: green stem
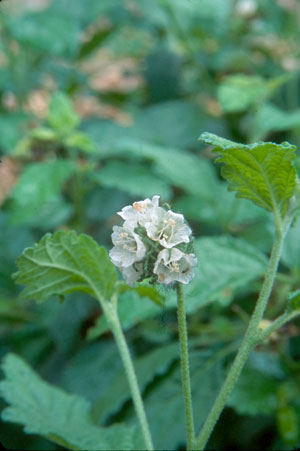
185,372
130,373
279,322
248,343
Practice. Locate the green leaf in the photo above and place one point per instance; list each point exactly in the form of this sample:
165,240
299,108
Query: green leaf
294,300
132,309
225,264
61,417
46,32
143,290
63,263
40,184
134,178
147,367
80,141
165,405
291,248
288,425
261,172
256,390
271,118
12,128
237,92
43,134
61,115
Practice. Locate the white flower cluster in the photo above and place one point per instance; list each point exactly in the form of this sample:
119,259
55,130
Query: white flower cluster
153,243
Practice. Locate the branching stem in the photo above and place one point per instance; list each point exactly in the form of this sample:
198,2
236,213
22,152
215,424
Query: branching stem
248,343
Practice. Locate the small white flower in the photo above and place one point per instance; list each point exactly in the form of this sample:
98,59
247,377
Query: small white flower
167,227
132,273
139,212
128,248
172,265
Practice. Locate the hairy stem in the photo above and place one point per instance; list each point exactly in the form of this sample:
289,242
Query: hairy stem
248,343
185,372
279,322
131,376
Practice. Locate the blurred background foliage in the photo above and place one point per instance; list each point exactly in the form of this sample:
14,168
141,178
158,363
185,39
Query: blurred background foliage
101,104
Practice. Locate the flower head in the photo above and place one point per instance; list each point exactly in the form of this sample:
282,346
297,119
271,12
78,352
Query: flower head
128,248
153,243
174,266
132,273
139,212
168,228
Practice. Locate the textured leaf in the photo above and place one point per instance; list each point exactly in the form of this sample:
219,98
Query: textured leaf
38,187
61,115
147,367
261,172
48,411
63,263
134,178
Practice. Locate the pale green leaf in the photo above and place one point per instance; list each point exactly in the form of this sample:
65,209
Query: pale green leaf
261,172
238,92
80,141
39,185
43,134
271,118
61,115
61,417
63,263
134,178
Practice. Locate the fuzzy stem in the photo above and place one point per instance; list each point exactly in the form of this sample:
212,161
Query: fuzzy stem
248,343
131,375
279,322
185,372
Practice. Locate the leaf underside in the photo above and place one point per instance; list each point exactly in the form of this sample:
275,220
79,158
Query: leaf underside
262,172
63,263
